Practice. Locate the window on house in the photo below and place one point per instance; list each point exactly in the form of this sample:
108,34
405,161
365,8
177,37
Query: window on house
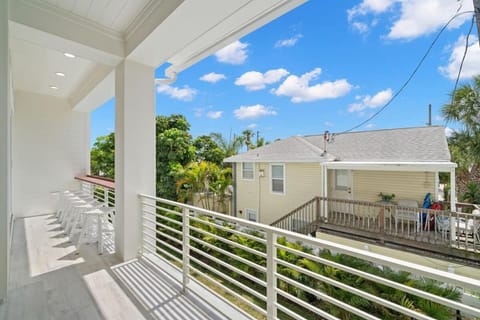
278,178
251,215
341,180
247,170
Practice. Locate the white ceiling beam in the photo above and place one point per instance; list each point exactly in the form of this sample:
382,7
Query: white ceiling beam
185,36
140,30
96,93
65,32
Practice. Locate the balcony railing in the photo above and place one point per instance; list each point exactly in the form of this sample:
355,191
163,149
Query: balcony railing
102,189
437,229
273,273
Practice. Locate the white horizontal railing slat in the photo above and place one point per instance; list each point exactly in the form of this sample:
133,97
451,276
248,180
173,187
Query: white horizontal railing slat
251,262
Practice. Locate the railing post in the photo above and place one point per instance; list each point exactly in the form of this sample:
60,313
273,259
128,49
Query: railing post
271,277
186,249
105,196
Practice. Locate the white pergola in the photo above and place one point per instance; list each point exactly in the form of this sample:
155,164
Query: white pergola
59,60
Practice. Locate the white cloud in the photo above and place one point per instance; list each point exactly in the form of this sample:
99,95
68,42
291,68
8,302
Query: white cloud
471,65
367,6
299,89
370,126
439,118
449,132
252,126
213,77
234,53
420,17
214,114
361,27
185,94
253,112
416,18
288,42
254,80
367,101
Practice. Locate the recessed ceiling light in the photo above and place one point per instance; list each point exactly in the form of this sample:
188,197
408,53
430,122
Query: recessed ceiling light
60,74
69,55
53,87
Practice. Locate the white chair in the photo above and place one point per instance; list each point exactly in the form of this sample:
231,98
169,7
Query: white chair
408,212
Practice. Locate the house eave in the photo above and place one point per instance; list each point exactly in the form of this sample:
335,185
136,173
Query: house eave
433,166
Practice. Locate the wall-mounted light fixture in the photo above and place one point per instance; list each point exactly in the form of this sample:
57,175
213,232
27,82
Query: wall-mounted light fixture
261,173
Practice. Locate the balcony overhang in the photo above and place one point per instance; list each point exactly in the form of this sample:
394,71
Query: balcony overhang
156,33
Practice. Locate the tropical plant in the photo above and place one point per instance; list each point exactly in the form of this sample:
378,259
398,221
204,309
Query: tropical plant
229,146
207,181
472,195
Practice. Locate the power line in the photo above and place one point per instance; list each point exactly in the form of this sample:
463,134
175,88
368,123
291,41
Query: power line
412,74
463,59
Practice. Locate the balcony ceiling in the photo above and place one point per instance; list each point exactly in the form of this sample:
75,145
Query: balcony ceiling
101,33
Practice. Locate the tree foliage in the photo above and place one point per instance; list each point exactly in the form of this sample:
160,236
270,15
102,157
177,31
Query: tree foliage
178,159
102,156
465,143
206,149
174,150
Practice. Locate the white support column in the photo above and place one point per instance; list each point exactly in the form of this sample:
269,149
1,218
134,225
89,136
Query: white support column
5,157
453,206
134,151
453,191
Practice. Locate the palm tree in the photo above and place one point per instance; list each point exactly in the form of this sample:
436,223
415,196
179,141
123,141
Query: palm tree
465,144
208,181
231,146
465,107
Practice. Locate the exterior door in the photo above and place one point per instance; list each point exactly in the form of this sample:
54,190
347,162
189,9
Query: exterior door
341,184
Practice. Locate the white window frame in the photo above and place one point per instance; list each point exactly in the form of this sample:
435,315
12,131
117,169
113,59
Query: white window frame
242,171
338,186
249,211
284,178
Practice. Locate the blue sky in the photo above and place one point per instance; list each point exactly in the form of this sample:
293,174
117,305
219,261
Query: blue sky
327,65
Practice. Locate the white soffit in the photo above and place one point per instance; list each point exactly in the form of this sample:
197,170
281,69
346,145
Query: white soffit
34,68
114,16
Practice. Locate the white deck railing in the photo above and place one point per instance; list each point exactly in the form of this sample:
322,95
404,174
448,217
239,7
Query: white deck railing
272,273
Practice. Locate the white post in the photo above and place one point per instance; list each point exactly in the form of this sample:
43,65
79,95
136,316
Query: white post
5,134
271,277
325,191
134,151
453,205
186,249
105,196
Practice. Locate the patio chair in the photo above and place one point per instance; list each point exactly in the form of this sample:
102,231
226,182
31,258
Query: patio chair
408,212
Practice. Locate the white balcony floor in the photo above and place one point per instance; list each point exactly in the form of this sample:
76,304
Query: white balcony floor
51,279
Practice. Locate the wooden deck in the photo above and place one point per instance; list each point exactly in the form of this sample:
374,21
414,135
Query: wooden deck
51,279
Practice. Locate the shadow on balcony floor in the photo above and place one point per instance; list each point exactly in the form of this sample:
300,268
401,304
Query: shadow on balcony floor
51,279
